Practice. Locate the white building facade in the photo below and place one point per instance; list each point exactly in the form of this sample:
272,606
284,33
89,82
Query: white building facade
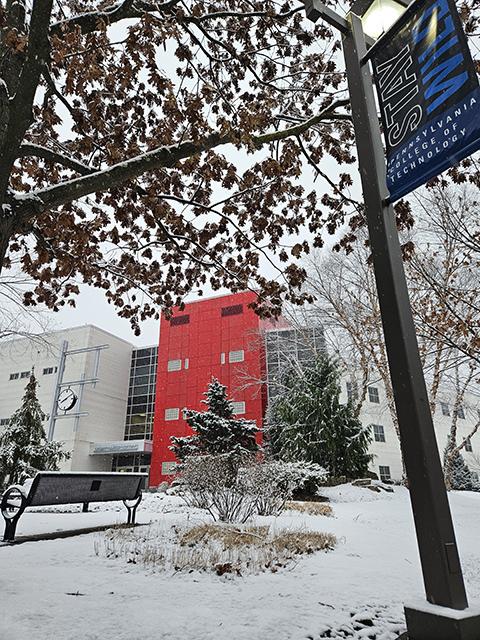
102,405
385,447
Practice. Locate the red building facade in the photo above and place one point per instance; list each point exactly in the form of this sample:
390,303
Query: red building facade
217,337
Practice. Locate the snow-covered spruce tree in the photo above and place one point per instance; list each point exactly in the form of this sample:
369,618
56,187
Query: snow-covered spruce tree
216,431
23,445
457,474
308,423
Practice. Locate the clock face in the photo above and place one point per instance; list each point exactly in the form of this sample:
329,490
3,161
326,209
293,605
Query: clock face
67,399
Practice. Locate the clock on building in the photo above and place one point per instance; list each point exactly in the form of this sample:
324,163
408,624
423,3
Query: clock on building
67,399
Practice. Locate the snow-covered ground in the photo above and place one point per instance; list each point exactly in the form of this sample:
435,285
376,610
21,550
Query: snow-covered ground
61,590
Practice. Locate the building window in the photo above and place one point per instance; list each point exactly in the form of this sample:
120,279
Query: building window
168,468
378,433
178,320
25,374
373,395
461,412
352,392
14,376
445,408
187,363
4,422
49,370
172,414
238,408
468,445
222,358
174,365
236,356
384,473
233,310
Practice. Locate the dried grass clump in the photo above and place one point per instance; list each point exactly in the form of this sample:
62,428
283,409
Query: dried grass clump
304,542
217,547
312,508
229,537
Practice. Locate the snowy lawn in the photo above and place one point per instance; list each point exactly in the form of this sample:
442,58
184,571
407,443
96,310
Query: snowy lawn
60,589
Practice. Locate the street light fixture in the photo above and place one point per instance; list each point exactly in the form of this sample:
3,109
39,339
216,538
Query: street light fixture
442,574
380,16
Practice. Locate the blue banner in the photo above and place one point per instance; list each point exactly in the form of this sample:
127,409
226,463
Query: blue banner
428,93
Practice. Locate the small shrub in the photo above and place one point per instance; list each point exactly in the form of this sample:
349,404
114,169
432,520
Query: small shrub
233,488
312,508
213,483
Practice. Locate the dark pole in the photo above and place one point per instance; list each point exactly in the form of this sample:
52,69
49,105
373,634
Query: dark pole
433,522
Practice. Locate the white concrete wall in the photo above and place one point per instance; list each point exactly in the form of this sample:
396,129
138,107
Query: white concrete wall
105,404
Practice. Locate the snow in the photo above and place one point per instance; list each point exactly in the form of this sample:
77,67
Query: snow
60,590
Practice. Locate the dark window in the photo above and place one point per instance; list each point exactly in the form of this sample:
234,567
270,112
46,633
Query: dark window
461,412
143,353
373,395
14,376
233,310
378,433
95,485
139,390
47,371
468,445
384,473
178,320
25,374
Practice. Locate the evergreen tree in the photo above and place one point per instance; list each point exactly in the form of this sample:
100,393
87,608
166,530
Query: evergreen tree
457,474
307,423
23,445
216,431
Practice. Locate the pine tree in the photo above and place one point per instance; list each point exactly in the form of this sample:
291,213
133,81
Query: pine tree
23,445
307,423
457,474
216,431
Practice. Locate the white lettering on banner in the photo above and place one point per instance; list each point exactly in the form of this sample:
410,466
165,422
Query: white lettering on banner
425,145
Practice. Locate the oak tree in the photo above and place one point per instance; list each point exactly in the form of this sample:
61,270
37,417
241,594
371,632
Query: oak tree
152,148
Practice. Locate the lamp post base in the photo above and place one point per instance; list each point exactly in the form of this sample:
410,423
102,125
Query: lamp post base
431,622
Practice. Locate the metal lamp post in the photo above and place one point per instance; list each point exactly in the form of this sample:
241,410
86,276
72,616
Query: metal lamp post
442,574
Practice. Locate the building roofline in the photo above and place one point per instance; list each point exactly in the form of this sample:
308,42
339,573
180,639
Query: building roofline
201,299
88,325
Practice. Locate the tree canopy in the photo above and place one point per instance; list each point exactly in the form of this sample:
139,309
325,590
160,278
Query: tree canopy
116,120
152,148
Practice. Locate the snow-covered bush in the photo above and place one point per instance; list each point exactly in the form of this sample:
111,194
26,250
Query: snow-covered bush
234,488
275,482
214,483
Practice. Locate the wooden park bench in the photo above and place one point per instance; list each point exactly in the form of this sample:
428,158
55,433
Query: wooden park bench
50,488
